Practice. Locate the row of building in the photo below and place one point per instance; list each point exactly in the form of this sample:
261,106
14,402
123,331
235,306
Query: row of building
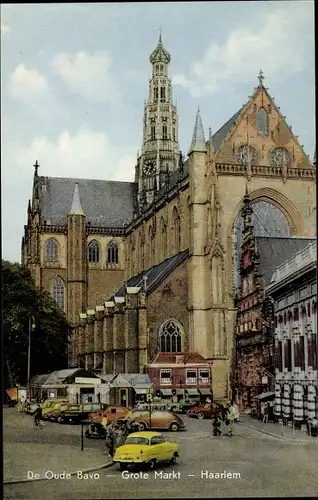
170,376
275,351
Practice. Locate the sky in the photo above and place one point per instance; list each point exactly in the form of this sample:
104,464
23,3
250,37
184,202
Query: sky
75,77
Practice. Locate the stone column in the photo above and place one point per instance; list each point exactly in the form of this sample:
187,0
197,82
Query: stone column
108,336
119,335
98,338
89,359
132,330
143,331
81,342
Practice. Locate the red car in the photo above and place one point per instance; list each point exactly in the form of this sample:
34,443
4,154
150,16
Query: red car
208,410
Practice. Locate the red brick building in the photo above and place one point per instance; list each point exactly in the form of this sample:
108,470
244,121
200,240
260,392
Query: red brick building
182,375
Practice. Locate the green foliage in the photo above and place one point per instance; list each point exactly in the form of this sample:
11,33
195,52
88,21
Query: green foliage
50,337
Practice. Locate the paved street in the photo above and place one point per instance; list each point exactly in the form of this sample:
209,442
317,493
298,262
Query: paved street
266,466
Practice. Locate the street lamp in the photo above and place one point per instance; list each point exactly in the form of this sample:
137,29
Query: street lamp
31,327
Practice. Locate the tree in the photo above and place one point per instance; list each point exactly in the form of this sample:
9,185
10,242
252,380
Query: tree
50,337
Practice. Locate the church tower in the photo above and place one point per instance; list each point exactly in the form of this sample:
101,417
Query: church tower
160,146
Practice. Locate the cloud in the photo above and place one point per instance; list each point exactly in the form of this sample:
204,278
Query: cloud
5,28
88,75
86,154
25,84
277,43
30,87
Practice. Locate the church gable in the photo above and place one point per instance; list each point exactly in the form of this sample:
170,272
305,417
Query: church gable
259,133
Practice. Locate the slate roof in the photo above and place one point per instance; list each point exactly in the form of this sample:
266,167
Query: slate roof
186,357
275,251
108,377
105,203
59,376
156,274
220,135
138,379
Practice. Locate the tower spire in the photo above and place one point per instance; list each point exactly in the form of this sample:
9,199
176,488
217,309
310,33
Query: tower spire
76,204
198,141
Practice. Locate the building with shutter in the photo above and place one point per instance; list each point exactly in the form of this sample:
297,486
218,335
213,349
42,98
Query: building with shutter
293,289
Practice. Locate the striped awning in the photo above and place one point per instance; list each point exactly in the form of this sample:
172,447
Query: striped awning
192,392
205,392
265,395
141,390
166,392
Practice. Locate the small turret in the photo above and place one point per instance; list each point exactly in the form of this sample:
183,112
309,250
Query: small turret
198,144
76,204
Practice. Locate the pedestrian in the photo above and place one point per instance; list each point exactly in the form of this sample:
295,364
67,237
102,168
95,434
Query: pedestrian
236,412
109,441
37,417
265,414
216,425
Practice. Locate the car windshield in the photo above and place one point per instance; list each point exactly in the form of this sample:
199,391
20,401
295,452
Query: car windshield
137,440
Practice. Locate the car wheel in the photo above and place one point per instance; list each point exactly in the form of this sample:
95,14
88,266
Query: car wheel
142,426
123,466
200,416
152,464
173,459
60,420
174,427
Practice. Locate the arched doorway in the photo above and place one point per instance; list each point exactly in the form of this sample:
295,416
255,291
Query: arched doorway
268,221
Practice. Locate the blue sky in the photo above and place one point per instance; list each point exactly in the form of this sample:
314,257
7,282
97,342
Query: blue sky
75,77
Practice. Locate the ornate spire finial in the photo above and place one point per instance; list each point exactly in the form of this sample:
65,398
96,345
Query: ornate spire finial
160,33
76,204
198,141
261,77
36,166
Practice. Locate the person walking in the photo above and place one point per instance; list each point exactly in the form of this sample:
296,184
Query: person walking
265,414
216,425
109,442
37,417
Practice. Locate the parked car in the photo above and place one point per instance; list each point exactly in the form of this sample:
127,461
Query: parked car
112,413
146,449
55,412
157,420
75,414
182,406
51,404
208,410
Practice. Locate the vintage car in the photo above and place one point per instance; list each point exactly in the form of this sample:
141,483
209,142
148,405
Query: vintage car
182,406
112,413
209,410
55,412
157,420
76,414
51,404
146,449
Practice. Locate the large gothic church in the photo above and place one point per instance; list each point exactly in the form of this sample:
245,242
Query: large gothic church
147,266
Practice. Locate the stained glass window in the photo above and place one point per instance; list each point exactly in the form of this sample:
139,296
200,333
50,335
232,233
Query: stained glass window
58,292
170,336
51,249
112,253
93,251
262,122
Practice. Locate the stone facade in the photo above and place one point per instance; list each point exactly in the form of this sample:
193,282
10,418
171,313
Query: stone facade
127,228
294,291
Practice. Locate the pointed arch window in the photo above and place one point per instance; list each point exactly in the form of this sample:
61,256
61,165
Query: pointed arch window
112,253
93,251
165,132
58,292
162,94
170,336
156,93
153,132
262,122
51,249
